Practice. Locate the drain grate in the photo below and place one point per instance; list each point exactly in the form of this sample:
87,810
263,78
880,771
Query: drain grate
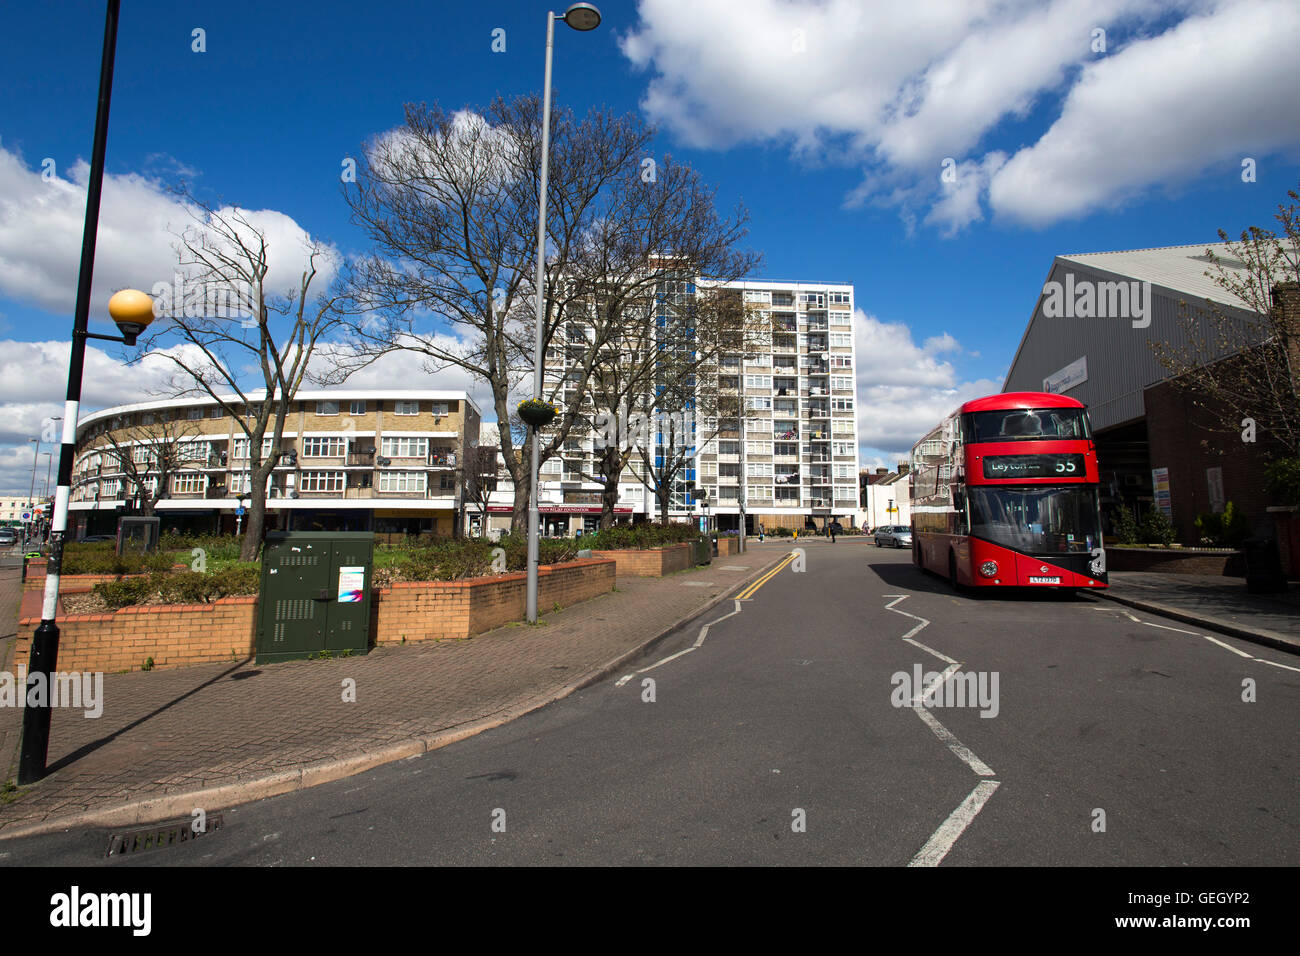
158,837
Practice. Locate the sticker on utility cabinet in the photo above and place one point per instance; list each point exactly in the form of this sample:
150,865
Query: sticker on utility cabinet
351,582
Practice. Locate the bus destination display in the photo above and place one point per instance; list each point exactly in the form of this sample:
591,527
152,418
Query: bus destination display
1034,466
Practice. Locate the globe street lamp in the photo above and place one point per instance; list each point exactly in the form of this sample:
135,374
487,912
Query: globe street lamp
581,17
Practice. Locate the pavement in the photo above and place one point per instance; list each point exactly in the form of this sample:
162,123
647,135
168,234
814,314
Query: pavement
1216,603
218,735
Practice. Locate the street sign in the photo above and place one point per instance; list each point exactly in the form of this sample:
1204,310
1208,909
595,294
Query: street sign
240,511
27,516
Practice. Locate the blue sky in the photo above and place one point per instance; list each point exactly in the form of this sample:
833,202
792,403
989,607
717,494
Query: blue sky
830,121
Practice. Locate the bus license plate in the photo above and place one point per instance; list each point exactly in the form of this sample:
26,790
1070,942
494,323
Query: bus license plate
1042,580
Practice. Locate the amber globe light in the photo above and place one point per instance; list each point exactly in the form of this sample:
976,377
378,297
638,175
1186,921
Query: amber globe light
132,310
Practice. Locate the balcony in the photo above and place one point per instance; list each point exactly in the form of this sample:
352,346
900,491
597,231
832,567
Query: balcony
442,459
361,459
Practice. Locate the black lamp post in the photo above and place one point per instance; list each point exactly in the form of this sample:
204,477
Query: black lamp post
132,311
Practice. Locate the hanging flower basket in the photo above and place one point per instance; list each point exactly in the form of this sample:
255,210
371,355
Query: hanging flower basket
536,412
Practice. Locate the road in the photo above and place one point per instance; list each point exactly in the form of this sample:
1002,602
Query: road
1116,738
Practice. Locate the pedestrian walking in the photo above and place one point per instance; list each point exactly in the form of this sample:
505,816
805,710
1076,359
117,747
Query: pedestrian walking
836,528
760,531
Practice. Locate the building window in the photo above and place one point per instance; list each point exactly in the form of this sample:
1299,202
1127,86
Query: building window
758,381
356,407
758,469
841,381
758,403
758,448
404,447
189,484
216,412
327,408
192,452
841,340
323,447
842,404
241,448
406,408
194,414
842,426
843,447
440,408
317,481
401,481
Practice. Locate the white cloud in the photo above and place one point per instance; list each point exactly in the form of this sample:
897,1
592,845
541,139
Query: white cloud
1182,86
36,382
904,389
41,224
1156,114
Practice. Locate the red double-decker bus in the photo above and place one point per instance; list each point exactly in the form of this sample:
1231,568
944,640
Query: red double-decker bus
1005,492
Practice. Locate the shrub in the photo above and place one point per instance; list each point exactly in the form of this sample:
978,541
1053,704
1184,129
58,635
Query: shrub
118,594
640,536
1156,528
1229,529
1282,480
1126,525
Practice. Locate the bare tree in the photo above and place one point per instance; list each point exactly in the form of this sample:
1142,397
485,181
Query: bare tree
1240,364
149,453
229,319
450,201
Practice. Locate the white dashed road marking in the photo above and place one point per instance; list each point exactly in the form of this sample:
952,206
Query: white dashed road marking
942,840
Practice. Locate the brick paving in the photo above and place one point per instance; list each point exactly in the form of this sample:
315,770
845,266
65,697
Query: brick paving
176,731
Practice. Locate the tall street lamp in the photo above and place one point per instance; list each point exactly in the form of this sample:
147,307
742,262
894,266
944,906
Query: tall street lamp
31,492
132,311
581,17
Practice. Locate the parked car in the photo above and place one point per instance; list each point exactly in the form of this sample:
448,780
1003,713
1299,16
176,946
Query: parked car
894,535
8,537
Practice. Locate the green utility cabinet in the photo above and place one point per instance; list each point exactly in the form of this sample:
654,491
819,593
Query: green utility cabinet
315,594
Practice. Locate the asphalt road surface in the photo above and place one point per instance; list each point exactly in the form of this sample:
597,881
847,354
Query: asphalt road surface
1113,738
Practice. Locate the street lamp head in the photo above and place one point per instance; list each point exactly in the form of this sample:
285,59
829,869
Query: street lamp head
582,17
132,310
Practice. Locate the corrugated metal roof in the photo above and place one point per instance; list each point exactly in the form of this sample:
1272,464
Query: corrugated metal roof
1179,268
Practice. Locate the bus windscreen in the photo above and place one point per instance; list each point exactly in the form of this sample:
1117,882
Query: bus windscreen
1027,424
1036,520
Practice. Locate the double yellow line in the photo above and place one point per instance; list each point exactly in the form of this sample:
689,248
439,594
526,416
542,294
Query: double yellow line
746,594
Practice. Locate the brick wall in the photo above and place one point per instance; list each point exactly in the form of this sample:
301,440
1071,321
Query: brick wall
173,635
651,562
179,635
441,610
1177,561
1187,441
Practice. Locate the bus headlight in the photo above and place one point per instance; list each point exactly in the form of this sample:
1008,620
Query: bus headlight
989,569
